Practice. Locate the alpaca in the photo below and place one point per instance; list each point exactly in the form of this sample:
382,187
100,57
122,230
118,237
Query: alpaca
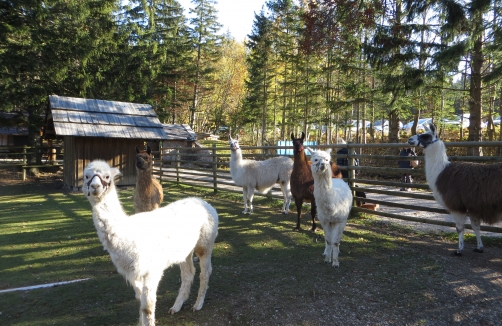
334,202
143,245
463,189
148,193
259,175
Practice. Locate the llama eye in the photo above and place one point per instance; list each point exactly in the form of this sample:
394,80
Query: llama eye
107,177
87,177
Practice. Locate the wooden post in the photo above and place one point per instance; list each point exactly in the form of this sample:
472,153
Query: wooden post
178,158
215,169
24,163
352,172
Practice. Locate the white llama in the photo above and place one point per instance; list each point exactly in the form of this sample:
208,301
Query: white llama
259,175
143,245
334,202
463,189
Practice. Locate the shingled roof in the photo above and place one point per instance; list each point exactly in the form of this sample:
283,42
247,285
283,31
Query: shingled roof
179,132
71,116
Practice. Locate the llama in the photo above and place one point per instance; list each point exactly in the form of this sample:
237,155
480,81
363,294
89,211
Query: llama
259,175
148,193
302,182
463,189
143,245
334,202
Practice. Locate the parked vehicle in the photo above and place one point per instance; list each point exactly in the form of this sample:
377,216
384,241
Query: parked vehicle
384,127
422,125
496,121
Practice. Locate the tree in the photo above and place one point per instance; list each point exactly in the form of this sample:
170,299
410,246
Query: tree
207,47
260,72
51,47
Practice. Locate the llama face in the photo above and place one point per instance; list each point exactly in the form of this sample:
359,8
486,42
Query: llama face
424,139
144,159
98,176
234,143
320,161
297,143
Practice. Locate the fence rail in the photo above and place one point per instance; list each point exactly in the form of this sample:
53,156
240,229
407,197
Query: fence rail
18,156
377,175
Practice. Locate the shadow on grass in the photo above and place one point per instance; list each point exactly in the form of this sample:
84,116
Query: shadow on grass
263,272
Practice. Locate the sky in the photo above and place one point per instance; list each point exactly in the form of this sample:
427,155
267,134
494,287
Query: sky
235,15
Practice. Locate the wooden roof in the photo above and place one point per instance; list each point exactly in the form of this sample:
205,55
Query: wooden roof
72,116
179,132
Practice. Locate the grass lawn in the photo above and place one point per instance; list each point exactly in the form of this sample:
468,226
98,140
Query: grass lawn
263,272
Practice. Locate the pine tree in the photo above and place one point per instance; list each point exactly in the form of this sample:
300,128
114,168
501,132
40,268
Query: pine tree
207,44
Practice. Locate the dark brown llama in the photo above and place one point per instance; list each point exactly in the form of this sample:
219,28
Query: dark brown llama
302,182
148,193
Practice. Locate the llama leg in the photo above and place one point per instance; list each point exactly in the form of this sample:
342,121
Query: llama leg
298,203
250,199
286,193
138,287
245,197
328,239
460,226
313,212
337,233
148,299
205,272
476,226
187,274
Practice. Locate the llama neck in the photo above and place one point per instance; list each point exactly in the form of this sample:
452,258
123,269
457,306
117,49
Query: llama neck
235,160
144,179
107,214
435,161
322,184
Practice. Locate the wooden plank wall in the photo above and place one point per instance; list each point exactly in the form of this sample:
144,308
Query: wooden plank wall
118,152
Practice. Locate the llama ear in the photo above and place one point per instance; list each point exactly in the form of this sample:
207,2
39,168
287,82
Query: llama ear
237,137
328,150
303,135
148,150
433,130
292,136
310,150
137,150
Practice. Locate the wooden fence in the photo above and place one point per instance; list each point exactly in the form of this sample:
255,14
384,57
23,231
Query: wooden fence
19,157
377,174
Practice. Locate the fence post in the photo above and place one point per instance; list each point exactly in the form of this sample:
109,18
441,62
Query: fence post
24,163
215,168
178,158
352,172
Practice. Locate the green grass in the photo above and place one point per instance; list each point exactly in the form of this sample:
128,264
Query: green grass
262,270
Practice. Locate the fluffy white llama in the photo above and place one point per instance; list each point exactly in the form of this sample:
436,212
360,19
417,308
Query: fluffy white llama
334,202
463,189
259,175
143,245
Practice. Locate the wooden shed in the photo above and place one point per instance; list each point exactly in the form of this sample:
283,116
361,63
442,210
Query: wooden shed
97,129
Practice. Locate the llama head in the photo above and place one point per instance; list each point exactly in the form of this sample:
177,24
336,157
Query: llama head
297,143
234,143
98,179
144,159
321,161
424,139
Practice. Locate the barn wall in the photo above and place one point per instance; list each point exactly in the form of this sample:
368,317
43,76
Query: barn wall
118,152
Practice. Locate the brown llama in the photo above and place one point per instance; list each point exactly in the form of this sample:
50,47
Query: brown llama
148,193
302,181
